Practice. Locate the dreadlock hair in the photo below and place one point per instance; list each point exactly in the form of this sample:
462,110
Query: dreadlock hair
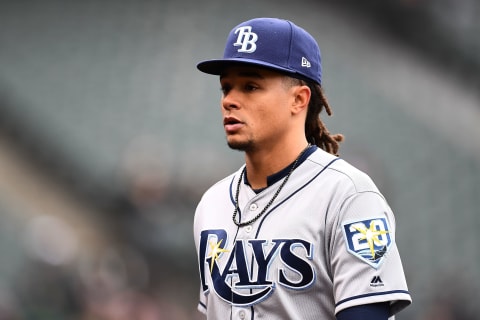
315,130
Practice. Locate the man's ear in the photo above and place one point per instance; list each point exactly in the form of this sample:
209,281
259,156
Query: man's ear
301,98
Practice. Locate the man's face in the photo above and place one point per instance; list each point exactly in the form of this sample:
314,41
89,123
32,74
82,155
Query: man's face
255,107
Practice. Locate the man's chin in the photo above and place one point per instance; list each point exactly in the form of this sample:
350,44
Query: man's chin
240,145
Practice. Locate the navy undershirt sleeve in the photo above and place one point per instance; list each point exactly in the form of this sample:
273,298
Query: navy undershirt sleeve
374,311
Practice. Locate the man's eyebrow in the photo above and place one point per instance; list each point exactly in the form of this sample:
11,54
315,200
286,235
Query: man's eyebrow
251,74
246,74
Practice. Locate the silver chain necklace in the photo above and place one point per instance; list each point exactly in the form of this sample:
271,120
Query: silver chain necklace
235,212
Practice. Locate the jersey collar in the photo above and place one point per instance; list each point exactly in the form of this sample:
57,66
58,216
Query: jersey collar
272,179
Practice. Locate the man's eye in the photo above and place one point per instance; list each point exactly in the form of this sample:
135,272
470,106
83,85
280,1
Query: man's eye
250,87
225,89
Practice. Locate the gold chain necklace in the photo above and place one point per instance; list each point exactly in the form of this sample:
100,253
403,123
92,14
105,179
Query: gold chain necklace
235,212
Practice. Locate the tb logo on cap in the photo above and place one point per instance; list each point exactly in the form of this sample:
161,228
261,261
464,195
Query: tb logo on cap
246,39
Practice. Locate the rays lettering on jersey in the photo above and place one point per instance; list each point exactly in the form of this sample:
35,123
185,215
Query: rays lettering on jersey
243,281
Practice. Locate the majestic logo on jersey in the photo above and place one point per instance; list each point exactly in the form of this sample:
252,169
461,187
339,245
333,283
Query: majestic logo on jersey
376,282
247,271
368,240
246,39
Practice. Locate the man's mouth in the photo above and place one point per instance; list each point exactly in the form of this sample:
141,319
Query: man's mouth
232,124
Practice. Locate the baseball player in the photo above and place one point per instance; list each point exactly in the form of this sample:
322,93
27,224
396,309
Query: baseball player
296,232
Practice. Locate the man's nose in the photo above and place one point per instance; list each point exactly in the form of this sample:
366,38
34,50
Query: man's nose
230,100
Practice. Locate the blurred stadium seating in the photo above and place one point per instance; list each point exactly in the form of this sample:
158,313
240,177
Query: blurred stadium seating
109,136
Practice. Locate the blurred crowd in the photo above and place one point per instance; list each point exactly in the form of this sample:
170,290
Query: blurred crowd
72,248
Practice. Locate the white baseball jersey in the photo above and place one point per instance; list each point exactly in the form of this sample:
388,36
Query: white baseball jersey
326,243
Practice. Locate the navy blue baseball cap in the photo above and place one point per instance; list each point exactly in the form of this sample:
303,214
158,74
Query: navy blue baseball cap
272,43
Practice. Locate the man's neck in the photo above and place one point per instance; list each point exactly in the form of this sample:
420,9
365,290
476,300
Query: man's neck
264,163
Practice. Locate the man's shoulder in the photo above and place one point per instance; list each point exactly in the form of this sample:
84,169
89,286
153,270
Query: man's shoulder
340,169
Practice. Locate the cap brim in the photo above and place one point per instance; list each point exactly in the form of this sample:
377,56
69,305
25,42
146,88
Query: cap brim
218,66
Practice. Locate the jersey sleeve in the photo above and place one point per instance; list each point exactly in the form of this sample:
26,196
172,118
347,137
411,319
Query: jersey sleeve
364,258
374,311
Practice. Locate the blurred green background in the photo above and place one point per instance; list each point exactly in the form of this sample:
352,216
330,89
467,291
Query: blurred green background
109,136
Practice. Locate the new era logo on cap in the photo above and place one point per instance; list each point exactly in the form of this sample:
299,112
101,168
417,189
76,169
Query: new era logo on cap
272,43
305,63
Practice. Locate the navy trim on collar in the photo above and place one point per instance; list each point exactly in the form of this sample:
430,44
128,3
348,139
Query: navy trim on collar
272,179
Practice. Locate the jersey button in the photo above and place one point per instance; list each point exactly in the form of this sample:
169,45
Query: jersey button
241,314
253,207
248,229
